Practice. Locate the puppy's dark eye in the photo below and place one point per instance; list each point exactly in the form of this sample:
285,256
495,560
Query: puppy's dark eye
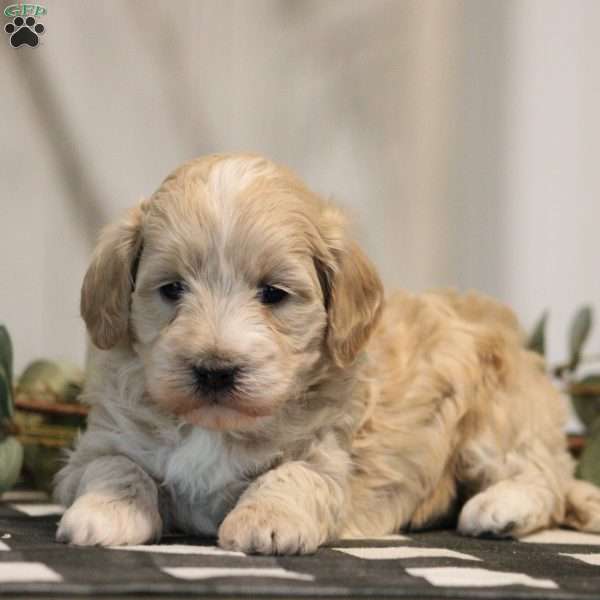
269,294
172,291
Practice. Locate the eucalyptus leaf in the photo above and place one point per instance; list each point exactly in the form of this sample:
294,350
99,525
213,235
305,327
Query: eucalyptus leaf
580,330
537,339
11,461
6,399
587,406
6,354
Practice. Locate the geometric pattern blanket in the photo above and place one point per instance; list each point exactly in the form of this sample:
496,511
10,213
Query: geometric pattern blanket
560,564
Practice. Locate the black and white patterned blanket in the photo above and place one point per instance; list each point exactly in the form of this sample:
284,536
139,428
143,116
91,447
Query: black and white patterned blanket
437,564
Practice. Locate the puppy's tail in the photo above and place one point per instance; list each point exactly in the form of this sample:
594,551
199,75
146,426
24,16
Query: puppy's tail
583,506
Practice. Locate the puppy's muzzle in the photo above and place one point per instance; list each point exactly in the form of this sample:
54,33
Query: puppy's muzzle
216,379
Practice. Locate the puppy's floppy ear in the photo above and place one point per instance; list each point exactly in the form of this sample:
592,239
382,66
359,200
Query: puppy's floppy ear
107,286
352,290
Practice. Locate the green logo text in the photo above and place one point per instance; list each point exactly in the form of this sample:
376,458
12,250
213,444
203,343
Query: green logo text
24,10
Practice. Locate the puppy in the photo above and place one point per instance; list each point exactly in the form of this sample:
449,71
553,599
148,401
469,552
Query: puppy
249,381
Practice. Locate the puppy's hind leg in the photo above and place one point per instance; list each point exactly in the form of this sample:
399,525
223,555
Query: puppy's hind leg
525,498
116,503
583,506
509,508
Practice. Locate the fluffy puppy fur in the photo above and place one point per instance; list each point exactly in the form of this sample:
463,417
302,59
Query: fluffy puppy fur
250,381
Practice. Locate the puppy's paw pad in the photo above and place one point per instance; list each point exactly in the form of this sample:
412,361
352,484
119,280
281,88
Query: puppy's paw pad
100,520
500,514
266,529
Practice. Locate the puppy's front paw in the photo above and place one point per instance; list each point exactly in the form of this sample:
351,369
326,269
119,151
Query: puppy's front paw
267,528
502,511
98,519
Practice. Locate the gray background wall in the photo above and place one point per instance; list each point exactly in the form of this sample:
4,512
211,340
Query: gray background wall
464,136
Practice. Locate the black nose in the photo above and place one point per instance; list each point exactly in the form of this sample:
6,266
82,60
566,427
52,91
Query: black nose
215,379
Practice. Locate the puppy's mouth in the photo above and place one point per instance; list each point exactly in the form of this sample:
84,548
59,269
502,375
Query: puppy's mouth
223,418
221,414
230,401
223,411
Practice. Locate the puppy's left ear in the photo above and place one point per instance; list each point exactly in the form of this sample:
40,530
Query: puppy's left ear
107,286
352,290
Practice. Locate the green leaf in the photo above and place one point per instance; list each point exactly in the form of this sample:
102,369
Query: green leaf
6,354
580,330
6,400
587,406
537,339
11,460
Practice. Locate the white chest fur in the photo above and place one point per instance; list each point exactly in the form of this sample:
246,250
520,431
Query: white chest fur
205,477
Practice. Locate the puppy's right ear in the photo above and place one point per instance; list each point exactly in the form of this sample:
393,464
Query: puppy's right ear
108,283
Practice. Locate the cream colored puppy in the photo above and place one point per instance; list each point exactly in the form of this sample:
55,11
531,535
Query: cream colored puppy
251,382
